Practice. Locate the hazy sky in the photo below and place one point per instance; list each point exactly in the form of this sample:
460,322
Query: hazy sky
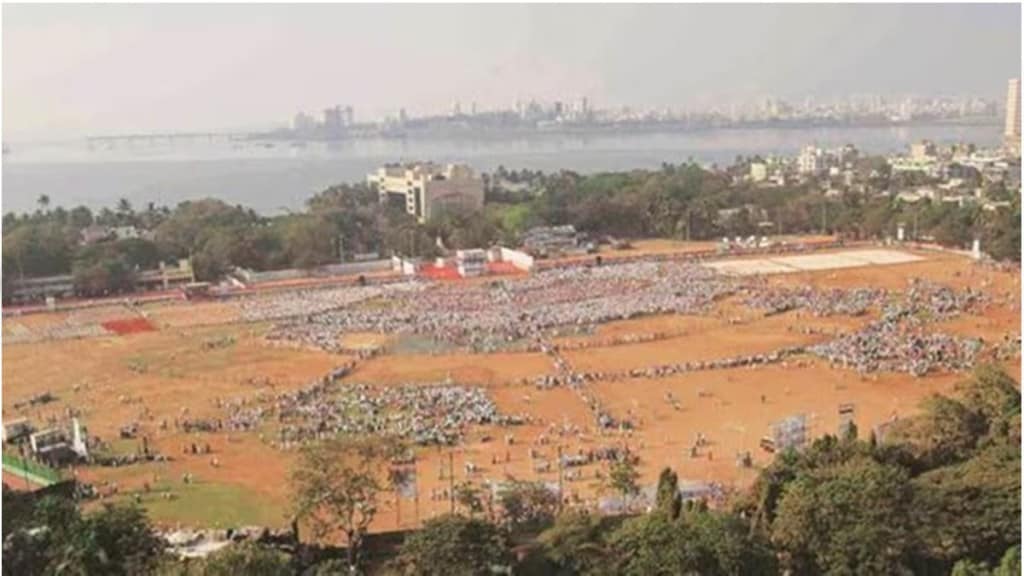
90,69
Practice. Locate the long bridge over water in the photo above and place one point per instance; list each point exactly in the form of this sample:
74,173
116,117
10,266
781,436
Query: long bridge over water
168,137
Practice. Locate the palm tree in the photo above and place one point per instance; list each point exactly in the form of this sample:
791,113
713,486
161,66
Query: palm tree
44,202
124,210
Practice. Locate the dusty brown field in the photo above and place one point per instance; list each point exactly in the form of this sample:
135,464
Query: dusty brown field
120,378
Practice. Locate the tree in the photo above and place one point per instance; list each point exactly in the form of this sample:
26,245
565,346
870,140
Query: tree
218,254
653,544
456,545
970,509
336,486
993,395
575,543
246,558
310,241
124,207
968,567
1000,232
17,509
331,567
116,540
726,545
527,506
668,501
41,249
44,202
622,478
945,432
1010,563
106,275
193,223
468,498
844,519
80,217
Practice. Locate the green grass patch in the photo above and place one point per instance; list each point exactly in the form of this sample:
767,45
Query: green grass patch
203,504
418,344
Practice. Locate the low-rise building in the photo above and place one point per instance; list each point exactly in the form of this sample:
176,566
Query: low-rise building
758,171
32,289
166,277
94,233
544,240
922,150
16,429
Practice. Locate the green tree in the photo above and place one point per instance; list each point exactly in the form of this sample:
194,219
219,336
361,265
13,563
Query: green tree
968,567
622,478
105,275
575,543
80,217
527,507
454,545
468,499
1010,563
668,500
246,558
993,395
845,519
725,545
310,241
945,432
336,486
653,544
970,509
116,540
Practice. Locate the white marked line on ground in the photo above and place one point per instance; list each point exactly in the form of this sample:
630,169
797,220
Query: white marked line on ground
812,262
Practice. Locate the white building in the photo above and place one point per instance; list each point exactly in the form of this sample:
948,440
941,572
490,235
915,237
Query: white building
922,150
427,190
125,232
758,171
1011,133
809,160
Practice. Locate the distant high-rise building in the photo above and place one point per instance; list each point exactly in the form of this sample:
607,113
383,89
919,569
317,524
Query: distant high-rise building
1012,131
350,116
303,124
332,122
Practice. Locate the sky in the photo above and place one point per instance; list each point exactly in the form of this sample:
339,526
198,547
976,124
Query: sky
75,70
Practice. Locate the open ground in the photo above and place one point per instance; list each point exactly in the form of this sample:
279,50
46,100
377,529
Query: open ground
201,354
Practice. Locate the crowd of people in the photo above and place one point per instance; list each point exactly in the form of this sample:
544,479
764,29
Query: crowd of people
490,315
834,302
902,340
888,346
438,413
305,303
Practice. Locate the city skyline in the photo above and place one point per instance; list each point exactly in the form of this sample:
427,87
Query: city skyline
280,63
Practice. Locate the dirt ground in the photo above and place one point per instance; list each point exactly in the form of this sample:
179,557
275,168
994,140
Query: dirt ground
187,365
